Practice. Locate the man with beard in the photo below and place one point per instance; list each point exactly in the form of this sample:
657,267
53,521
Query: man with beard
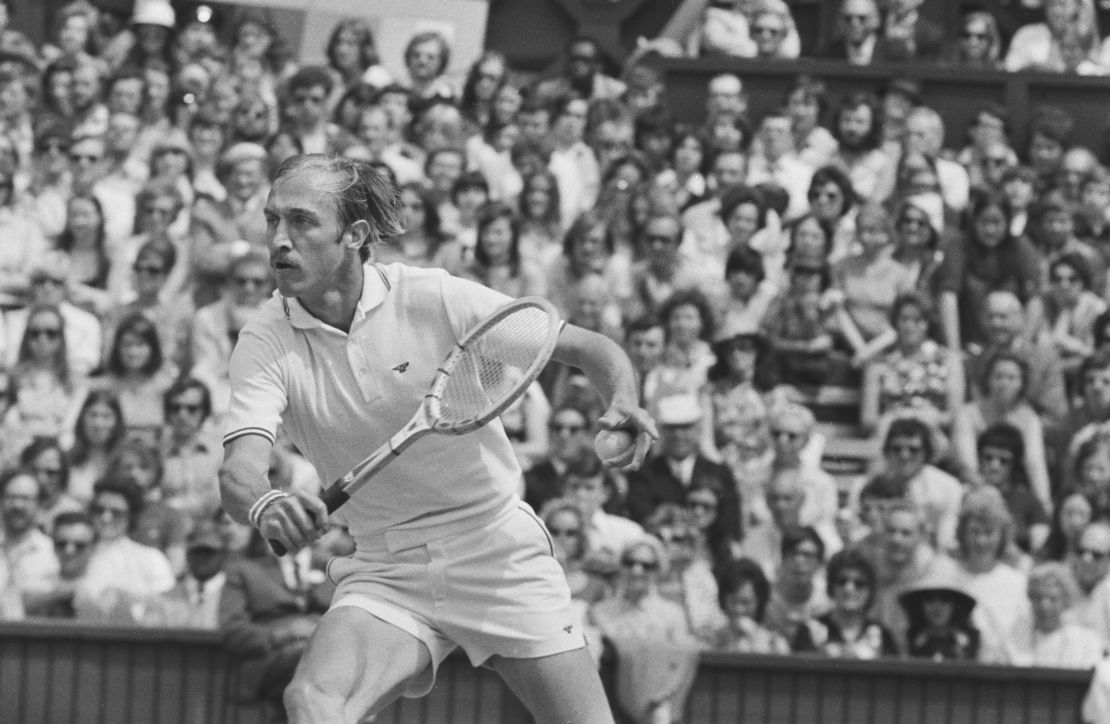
858,131
28,551
907,454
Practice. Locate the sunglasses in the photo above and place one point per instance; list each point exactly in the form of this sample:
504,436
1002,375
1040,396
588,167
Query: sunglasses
84,157
565,531
76,545
788,434
639,562
41,332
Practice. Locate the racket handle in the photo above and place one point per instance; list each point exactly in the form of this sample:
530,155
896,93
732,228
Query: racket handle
333,498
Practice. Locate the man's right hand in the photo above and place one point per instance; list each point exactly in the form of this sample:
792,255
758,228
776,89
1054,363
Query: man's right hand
294,521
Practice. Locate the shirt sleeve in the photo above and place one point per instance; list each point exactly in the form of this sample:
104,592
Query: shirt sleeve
258,391
467,302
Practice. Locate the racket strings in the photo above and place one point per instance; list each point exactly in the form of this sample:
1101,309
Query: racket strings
493,365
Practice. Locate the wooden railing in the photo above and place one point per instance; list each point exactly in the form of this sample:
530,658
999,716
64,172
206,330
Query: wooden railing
59,673
955,94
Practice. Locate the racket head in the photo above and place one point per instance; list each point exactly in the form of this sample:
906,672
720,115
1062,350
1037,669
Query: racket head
492,365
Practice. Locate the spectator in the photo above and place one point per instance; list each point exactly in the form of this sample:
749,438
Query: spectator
1089,568
989,568
73,539
857,128
939,613
989,154
190,457
847,631
663,271
979,45
1073,513
1044,386
797,447
27,552
688,320
1003,398
1002,466
797,593
97,434
582,74
569,432
1068,41
1049,639
586,575
773,31
139,375
124,578
1070,309
1050,135
1092,407
655,653
678,466
353,55
497,261
573,163
269,607
46,459
857,38
904,558
775,161
195,601
588,484
744,590
763,541
644,341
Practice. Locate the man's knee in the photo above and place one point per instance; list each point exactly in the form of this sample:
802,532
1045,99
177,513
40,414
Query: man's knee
307,701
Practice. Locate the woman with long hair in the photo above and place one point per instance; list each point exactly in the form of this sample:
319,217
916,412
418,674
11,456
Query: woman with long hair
979,46
353,56
83,240
139,375
97,434
46,460
483,81
420,242
1068,41
540,228
497,262
1073,512
49,395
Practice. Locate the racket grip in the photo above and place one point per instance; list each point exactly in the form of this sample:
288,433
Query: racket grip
333,498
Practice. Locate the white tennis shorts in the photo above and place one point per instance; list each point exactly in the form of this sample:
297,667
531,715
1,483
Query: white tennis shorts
495,590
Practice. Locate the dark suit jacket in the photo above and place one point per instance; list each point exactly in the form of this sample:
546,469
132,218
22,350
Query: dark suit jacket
654,484
256,606
541,484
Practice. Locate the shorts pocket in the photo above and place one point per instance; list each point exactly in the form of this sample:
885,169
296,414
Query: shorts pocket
526,510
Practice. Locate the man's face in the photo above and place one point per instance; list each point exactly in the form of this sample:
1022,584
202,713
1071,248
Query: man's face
996,466
1092,560
583,61
855,125
726,95
73,546
612,139
729,169
571,123
802,562
777,137
19,504
987,130
920,136
246,179
1004,319
85,89
790,436
13,100
903,536
1045,153
534,125
424,60
185,413
1058,226
87,158
784,500
444,170
308,105
661,239
588,491
1096,388
126,96
373,128
858,19
680,441
123,129
905,456
305,240
204,562
645,347
569,435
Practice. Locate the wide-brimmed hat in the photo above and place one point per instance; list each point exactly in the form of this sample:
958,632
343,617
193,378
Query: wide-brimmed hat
938,584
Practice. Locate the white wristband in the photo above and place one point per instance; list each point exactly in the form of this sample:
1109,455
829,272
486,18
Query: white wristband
260,505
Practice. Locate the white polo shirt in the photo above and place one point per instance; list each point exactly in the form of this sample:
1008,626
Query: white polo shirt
341,395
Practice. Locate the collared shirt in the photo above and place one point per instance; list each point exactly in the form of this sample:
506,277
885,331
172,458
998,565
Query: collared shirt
341,395
31,561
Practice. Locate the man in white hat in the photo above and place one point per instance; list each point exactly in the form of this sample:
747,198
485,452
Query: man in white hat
680,466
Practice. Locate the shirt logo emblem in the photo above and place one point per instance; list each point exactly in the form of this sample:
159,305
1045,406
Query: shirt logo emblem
568,629
401,367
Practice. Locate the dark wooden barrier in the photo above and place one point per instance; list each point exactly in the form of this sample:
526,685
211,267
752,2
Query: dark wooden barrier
956,94
63,673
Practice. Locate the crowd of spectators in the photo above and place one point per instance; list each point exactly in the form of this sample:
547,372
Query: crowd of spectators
748,265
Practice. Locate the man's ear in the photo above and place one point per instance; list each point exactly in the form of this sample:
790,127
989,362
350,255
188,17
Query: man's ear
358,233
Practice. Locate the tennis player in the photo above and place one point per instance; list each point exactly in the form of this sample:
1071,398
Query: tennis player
447,553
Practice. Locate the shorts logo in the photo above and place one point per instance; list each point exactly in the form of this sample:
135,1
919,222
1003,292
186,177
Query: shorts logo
401,367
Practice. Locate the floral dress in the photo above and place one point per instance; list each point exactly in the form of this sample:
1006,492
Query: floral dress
914,381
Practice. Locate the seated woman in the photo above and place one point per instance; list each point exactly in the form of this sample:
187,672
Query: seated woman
917,377
1070,310
743,591
939,615
138,375
656,655
847,631
1047,638
1002,466
1004,384
1073,512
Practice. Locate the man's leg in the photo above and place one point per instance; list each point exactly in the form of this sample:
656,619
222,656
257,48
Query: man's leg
560,688
354,662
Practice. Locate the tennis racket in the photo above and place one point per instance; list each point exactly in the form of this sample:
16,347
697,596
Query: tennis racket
490,367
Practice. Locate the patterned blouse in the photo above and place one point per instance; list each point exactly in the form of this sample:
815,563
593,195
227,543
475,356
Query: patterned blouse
916,380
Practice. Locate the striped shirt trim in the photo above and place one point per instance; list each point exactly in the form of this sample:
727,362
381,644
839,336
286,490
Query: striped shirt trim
244,431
